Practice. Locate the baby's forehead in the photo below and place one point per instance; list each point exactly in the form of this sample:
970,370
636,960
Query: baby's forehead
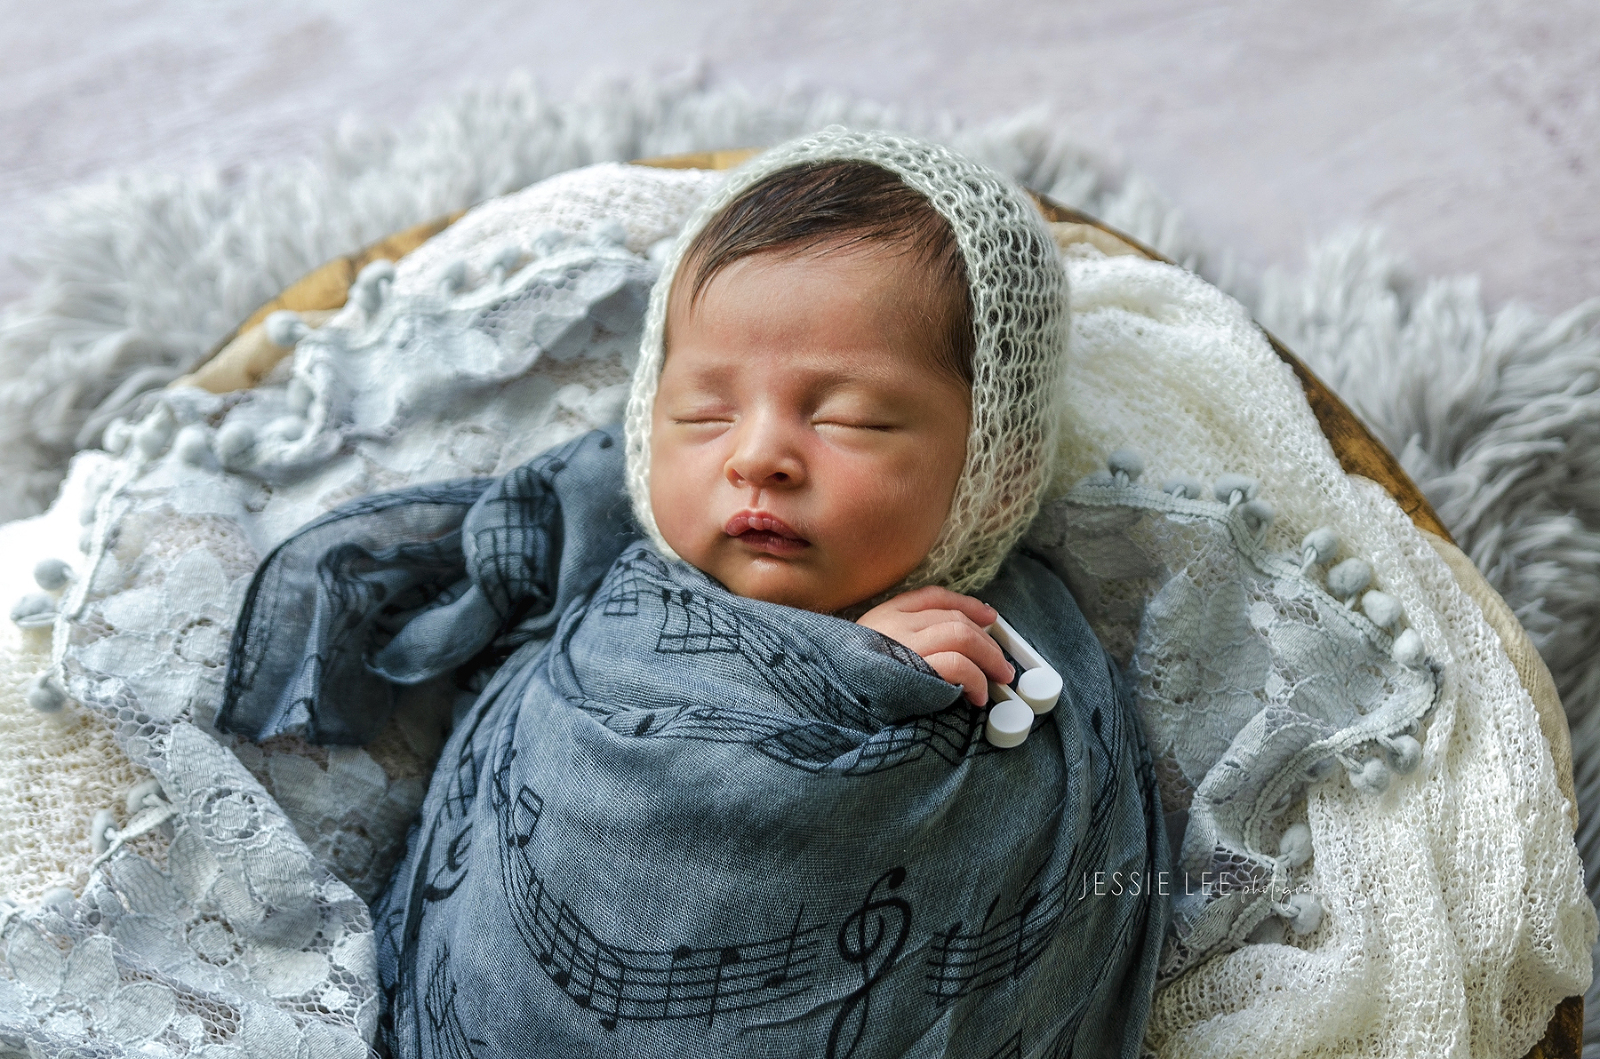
863,285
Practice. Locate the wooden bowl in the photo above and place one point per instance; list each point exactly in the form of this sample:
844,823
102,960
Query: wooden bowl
245,356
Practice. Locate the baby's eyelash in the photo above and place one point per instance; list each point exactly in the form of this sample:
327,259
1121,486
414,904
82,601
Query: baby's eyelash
854,425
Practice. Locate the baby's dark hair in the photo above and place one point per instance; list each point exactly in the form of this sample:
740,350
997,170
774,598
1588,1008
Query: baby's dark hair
826,206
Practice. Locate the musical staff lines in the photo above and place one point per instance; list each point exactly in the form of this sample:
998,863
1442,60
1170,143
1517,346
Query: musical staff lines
694,627
811,746
623,984
837,729
1011,1048
962,961
445,1032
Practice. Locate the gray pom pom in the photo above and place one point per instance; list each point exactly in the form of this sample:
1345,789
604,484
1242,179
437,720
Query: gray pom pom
1258,515
45,695
378,270
289,428
51,575
101,827
1372,777
659,251
134,800
1382,608
372,284
1230,484
1303,913
285,328
1349,578
1320,545
33,611
611,231
549,241
60,900
118,435
1404,753
1126,461
299,395
234,442
152,436
1294,848
507,258
1186,486
453,277
193,446
1407,649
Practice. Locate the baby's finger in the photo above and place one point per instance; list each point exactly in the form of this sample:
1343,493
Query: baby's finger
935,597
956,668
966,639
917,620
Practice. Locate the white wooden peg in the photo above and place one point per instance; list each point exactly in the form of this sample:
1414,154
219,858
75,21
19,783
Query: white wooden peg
1040,685
1010,719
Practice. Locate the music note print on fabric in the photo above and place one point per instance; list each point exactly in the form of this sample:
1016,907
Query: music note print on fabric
624,984
882,922
792,668
1010,1048
694,627
962,961
452,829
440,1019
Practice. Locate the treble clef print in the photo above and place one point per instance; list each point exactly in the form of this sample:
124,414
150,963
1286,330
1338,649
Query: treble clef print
865,939
447,877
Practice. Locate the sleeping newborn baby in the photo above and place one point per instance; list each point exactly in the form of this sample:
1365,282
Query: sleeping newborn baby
810,420
724,790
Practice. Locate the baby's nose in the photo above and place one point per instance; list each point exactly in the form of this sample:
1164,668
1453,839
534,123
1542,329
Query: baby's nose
764,457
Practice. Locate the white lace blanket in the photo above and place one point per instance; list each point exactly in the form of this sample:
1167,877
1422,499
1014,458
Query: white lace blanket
1454,916
1452,913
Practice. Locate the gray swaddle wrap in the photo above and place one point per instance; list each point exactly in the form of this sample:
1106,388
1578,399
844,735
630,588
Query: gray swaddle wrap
681,822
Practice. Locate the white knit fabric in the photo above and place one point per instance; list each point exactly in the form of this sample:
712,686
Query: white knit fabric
44,822
1019,313
1454,914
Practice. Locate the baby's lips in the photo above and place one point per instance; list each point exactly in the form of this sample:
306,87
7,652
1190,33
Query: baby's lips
760,522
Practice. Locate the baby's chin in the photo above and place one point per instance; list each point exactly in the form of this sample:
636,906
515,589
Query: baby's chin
788,587
788,583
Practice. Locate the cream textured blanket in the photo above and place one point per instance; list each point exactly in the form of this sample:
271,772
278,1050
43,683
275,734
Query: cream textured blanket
1454,916
1454,912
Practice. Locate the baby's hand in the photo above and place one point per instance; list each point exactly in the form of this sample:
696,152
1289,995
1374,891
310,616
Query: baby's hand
946,629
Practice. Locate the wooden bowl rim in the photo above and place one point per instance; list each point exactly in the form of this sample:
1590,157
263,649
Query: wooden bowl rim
1358,450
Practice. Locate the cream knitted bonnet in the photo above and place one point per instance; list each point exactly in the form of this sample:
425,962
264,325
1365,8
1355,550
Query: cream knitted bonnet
1019,313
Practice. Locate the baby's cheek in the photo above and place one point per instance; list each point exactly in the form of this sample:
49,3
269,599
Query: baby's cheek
675,500
896,509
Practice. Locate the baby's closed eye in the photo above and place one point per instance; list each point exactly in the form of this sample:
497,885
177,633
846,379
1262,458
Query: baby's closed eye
855,413
693,413
843,422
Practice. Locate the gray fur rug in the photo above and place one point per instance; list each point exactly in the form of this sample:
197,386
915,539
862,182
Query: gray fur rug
1496,414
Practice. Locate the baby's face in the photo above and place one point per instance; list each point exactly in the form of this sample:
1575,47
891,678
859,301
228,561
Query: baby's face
804,448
